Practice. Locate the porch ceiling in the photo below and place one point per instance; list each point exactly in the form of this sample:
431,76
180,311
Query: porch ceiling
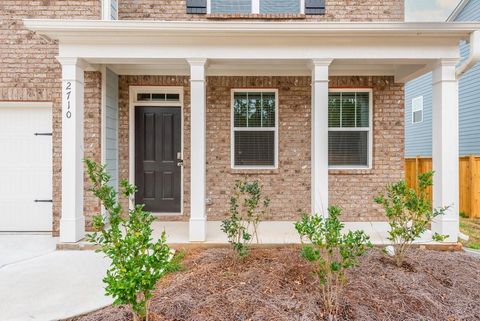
273,67
404,50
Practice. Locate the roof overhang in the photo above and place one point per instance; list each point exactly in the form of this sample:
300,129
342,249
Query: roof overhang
68,29
405,50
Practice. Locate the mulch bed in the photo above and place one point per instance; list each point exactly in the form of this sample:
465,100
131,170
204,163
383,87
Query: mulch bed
275,284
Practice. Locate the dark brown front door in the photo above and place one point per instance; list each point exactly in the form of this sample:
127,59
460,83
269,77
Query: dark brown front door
157,164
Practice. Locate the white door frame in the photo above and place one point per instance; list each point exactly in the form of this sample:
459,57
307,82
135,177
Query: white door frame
132,92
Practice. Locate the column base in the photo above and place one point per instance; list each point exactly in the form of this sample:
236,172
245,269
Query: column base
72,230
198,230
446,226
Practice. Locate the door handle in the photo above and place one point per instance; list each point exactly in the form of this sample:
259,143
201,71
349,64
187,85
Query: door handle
43,201
180,162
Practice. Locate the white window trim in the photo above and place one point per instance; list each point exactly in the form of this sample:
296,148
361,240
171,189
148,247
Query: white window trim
256,6
233,129
107,9
368,129
417,109
133,102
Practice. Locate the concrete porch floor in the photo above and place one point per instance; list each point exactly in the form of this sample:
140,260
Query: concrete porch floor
274,232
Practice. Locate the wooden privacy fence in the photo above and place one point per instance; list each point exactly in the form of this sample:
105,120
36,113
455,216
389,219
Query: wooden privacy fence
469,174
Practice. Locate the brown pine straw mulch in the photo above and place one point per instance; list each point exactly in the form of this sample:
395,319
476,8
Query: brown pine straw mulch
275,284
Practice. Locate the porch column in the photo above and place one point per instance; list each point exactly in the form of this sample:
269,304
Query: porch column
72,222
319,156
445,148
198,150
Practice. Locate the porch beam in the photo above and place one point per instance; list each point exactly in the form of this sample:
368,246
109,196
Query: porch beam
445,148
198,221
72,222
319,153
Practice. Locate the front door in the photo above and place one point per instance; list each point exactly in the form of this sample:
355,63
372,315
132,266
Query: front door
158,158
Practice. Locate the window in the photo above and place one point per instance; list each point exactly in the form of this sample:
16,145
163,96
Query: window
255,6
350,128
417,110
254,128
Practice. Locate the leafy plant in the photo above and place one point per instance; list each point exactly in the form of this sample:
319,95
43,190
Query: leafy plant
247,207
330,252
409,213
137,263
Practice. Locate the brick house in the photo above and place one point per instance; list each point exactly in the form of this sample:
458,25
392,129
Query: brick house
183,97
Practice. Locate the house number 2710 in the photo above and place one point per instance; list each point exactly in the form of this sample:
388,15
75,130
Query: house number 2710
68,93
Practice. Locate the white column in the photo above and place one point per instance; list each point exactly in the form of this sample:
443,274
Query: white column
72,222
445,148
198,150
319,157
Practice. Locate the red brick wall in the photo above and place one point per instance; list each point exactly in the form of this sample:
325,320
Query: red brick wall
289,185
30,72
336,10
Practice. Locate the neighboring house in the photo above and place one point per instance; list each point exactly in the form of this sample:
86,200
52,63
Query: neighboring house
418,100
185,97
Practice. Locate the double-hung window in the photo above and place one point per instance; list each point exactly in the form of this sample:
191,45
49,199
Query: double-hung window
256,6
254,128
350,128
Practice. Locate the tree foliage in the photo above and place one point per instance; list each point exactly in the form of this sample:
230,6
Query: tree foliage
137,262
331,252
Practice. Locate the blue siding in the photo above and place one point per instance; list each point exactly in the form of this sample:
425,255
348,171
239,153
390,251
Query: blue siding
231,6
279,6
418,138
111,127
471,12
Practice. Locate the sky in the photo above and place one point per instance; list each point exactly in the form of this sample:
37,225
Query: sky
429,10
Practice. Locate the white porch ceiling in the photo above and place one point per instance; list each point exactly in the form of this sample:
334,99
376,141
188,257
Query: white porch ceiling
280,67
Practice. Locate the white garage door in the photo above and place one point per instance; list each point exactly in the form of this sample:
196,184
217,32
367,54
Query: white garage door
25,167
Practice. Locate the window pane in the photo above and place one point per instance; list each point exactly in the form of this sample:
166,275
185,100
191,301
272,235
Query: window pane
363,109
240,109
348,148
143,97
255,148
158,97
348,110
417,116
268,110
231,6
173,97
254,109
279,6
334,110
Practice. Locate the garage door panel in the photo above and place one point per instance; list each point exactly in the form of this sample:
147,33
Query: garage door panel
25,169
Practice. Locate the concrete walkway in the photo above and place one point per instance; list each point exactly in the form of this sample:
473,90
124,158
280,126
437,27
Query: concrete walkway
38,283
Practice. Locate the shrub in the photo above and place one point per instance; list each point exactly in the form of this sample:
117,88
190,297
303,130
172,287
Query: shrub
331,253
409,214
247,207
137,263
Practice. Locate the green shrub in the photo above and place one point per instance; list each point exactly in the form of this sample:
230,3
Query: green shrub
409,214
330,252
247,207
137,263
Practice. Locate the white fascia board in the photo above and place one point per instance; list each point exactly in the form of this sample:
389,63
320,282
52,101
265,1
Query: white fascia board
461,5
58,29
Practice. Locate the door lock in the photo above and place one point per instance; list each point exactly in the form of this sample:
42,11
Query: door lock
180,162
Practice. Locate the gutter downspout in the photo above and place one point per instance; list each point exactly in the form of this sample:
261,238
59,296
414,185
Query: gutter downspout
474,56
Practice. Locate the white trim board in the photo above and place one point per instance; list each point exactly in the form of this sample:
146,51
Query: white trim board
132,92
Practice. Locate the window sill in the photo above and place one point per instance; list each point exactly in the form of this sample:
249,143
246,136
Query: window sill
254,171
272,16
350,171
